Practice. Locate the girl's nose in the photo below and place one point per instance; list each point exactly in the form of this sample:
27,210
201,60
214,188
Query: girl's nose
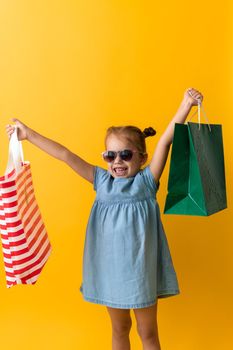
118,159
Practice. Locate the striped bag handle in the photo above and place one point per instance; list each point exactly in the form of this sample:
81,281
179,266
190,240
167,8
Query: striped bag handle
15,157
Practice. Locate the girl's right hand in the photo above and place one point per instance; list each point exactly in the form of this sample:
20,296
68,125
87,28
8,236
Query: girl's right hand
22,129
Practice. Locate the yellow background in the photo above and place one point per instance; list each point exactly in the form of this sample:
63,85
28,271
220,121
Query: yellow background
69,69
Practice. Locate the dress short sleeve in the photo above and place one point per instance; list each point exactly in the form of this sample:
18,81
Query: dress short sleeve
100,175
149,179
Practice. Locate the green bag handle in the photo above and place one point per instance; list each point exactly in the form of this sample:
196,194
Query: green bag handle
199,107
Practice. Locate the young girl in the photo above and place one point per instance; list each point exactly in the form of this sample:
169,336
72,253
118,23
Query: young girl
126,261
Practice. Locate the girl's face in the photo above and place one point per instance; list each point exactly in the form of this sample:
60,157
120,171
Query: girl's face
121,168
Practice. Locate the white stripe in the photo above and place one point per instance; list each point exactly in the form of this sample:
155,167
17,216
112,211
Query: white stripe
22,275
39,265
8,261
3,230
26,171
26,245
17,184
19,212
17,218
16,198
31,261
23,236
15,207
9,200
10,279
6,251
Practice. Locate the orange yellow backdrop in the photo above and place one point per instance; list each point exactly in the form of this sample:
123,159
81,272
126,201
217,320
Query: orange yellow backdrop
69,69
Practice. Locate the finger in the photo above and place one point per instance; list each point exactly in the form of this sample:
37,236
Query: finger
191,92
197,96
17,121
10,127
196,93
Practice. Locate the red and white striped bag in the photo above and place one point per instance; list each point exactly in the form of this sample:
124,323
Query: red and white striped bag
25,243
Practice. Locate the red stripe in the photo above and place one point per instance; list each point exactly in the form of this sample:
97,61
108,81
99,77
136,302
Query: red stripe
33,274
5,246
7,256
22,183
10,205
19,252
16,234
9,215
26,168
22,198
14,224
22,174
28,204
28,207
28,267
35,234
5,177
32,254
7,184
9,194
32,228
10,284
30,246
18,243
14,184
35,263
8,264
28,233
10,274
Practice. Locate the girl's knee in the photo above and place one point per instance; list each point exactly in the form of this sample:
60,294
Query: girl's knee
121,329
147,334
121,321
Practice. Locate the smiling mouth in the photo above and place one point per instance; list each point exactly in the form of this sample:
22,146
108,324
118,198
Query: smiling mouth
120,170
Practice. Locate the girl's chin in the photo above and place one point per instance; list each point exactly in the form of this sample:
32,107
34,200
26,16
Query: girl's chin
117,175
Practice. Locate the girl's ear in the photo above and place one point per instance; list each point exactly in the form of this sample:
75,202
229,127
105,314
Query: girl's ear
144,159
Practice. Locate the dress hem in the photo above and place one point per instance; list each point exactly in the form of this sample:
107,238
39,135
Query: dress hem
132,306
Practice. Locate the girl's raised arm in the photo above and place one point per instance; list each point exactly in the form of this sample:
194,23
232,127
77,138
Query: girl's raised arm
54,149
159,158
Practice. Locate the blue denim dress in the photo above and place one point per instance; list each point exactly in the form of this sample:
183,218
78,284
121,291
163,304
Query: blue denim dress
126,260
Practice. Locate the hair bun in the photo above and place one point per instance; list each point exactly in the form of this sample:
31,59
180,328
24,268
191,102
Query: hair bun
149,132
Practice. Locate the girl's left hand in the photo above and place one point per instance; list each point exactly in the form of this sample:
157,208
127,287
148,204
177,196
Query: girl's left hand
192,96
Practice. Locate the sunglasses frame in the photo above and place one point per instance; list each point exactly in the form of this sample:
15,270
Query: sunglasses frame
119,152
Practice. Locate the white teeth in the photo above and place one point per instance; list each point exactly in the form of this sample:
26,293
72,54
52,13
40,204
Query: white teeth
120,171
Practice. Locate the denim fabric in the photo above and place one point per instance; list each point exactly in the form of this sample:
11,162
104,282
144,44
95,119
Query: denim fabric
126,261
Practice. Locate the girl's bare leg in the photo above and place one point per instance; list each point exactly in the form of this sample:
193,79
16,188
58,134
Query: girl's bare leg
121,325
147,327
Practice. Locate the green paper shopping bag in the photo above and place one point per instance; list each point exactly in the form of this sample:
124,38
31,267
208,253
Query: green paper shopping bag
196,184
